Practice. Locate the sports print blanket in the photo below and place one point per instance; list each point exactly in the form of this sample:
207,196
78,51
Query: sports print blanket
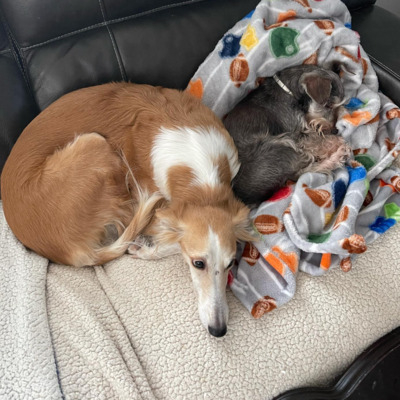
320,221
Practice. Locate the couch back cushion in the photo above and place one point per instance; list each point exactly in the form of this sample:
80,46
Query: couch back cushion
49,48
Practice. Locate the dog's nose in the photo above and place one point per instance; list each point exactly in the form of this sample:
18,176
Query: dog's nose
217,332
334,131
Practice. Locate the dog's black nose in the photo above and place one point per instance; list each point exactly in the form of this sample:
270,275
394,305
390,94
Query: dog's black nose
334,131
217,332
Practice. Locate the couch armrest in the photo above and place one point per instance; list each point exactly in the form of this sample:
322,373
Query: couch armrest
380,31
356,4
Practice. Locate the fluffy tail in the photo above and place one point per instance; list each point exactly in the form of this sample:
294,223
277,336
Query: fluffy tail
143,214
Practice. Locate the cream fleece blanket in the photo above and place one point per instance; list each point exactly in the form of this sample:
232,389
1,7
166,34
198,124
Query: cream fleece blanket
130,329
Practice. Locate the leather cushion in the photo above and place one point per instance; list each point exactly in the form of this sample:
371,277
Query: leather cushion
356,4
50,48
17,107
379,30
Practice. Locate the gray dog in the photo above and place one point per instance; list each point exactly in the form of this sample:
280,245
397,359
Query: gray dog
286,127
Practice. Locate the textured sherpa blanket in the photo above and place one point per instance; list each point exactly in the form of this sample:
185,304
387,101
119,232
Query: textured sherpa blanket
320,221
29,368
130,329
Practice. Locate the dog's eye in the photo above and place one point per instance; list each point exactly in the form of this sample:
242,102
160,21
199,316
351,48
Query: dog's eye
200,264
230,265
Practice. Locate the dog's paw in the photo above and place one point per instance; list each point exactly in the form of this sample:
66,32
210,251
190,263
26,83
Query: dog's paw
142,251
337,152
343,152
142,247
133,249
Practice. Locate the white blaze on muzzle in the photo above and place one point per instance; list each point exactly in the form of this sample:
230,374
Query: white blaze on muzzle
210,285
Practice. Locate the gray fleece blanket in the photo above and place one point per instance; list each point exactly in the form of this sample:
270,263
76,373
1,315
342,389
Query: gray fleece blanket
321,221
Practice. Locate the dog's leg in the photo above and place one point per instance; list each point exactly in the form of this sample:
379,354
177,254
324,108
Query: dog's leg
143,249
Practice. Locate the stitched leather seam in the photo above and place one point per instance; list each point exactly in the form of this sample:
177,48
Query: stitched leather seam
18,57
113,42
113,21
99,25
384,67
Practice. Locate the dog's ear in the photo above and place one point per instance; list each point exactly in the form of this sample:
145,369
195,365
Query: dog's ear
166,228
242,223
317,87
338,67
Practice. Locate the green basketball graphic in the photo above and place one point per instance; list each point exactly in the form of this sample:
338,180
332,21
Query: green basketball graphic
366,160
319,238
283,42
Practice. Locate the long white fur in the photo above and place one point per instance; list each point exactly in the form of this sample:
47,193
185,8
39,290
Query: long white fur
198,148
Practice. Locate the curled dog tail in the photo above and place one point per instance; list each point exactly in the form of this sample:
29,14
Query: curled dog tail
143,214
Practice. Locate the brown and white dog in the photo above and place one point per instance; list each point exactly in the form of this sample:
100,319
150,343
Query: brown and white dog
103,165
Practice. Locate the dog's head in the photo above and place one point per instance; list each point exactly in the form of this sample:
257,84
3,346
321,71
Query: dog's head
207,235
326,93
319,93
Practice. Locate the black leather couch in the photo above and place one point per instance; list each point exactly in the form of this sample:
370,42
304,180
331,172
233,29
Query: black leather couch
49,48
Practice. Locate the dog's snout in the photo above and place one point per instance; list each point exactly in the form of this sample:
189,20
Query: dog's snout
334,131
217,332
